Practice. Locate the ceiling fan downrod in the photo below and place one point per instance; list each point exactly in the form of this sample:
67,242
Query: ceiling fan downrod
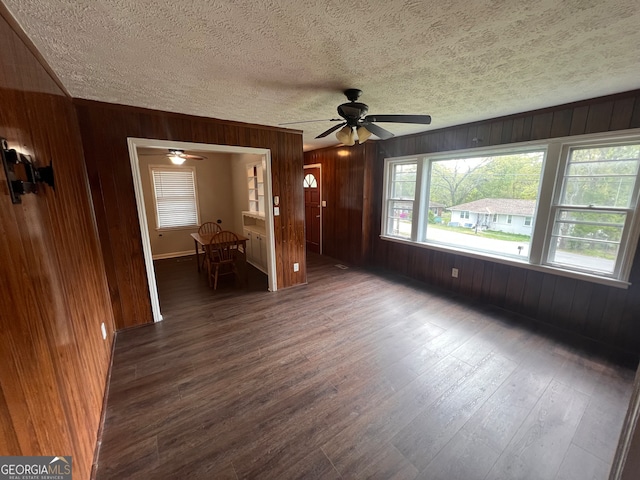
352,94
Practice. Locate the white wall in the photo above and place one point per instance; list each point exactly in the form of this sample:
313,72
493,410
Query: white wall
516,226
455,217
215,200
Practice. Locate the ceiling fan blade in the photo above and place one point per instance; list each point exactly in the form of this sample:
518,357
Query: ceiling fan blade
378,131
423,119
311,121
173,152
331,130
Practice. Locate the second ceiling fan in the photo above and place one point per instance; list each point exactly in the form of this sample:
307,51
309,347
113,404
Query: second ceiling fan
355,118
178,156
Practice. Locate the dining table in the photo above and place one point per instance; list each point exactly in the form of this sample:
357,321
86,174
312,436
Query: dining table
201,240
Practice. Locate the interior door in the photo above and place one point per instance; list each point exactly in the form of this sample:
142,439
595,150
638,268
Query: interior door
312,207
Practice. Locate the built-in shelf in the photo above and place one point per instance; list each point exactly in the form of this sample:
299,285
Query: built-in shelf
253,220
255,187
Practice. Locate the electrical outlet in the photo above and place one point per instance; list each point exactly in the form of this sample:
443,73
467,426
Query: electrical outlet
104,331
296,267
454,272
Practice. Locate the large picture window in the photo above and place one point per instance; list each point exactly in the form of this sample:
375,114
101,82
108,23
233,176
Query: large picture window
569,205
488,200
174,190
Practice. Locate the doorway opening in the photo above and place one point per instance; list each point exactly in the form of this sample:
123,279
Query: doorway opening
222,197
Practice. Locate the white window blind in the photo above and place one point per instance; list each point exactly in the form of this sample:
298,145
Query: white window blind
175,195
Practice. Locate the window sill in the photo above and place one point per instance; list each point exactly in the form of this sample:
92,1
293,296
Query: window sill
175,229
611,282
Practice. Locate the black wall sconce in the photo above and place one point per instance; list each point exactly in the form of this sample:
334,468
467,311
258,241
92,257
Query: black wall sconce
22,175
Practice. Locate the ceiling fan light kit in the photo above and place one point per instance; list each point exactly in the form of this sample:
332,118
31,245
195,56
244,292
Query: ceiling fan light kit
363,134
177,160
355,115
345,136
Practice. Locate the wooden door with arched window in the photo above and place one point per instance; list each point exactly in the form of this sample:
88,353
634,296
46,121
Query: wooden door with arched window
312,209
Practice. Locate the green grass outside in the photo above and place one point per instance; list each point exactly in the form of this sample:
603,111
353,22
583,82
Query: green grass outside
514,237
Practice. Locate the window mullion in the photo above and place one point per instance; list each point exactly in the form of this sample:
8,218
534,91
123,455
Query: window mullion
386,200
545,214
629,242
417,226
582,208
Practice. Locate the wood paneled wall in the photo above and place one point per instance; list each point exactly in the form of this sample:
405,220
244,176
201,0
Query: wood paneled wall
53,290
344,190
603,313
105,129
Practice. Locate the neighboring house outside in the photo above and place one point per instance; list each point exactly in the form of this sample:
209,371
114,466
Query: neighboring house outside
437,208
501,214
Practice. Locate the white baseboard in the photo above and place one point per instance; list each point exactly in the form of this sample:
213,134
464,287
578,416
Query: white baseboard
259,267
162,256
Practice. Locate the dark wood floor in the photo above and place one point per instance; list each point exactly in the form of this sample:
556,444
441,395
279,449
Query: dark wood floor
355,375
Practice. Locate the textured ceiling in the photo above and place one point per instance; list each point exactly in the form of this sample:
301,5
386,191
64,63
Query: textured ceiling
276,61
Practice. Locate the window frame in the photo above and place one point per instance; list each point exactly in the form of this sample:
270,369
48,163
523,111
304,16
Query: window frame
167,168
309,184
628,243
542,223
388,184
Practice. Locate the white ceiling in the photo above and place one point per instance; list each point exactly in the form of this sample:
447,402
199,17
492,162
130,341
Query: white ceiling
276,61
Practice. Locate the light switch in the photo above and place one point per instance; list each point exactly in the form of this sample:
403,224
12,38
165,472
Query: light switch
276,200
276,211
324,203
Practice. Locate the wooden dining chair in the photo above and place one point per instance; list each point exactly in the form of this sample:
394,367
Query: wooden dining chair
222,256
207,228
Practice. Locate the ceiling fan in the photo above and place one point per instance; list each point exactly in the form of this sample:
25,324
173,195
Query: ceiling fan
178,157
354,117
